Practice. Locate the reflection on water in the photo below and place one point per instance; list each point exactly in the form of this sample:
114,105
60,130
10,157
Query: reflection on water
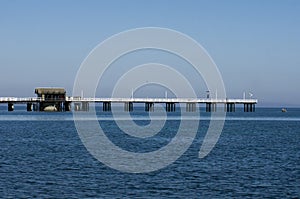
261,114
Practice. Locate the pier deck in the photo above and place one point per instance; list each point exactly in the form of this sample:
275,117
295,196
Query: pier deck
83,103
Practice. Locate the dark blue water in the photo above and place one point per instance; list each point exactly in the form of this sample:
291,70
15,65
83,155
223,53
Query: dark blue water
257,156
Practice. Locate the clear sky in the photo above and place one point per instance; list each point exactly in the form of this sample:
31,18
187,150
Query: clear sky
255,44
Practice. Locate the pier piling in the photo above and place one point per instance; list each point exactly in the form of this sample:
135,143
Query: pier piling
249,107
128,106
211,107
229,107
67,106
190,107
170,107
10,107
29,107
85,106
149,106
77,106
106,106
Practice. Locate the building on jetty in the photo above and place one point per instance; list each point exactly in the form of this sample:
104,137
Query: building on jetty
52,99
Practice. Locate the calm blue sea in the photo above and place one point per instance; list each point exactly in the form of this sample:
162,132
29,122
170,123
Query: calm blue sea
257,156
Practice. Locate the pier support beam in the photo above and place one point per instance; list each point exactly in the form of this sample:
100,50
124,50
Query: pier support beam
59,106
10,107
149,106
229,107
67,106
29,107
170,107
211,107
85,106
77,106
190,107
249,107
36,107
106,106
208,107
214,107
128,106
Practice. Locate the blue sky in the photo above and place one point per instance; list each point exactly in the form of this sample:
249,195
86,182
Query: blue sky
255,44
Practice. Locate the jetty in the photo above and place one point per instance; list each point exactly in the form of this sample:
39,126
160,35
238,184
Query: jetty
55,99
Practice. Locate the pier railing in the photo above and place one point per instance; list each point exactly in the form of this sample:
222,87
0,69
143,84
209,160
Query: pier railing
162,100
134,100
20,99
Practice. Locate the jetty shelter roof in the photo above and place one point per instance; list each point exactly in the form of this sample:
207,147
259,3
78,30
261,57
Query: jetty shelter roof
41,91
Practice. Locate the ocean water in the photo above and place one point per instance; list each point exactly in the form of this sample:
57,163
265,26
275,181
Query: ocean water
257,156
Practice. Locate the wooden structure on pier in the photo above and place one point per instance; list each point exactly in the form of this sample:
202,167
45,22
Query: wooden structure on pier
52,99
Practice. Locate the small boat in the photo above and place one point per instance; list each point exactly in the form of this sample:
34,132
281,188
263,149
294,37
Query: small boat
50,108
283,110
